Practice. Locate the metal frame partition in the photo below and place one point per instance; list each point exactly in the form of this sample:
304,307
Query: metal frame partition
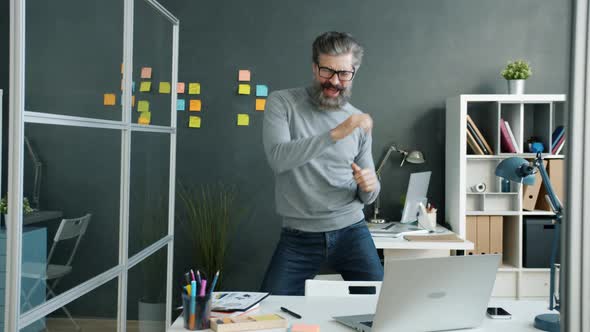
14,320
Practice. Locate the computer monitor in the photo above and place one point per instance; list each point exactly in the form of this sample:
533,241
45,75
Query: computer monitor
417,193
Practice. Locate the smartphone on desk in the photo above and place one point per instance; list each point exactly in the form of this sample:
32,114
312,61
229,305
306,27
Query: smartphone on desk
498,313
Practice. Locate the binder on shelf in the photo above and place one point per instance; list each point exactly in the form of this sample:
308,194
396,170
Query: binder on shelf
555,169
512,138
556,136
479,136
558,145
473,144
505,140
483,235
531,193
496,225
477,139
471,233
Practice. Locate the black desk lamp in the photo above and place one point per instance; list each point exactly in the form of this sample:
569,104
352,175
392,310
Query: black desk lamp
414,157
521,171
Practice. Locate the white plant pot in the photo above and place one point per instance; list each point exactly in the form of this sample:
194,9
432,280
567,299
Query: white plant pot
516,87
151,316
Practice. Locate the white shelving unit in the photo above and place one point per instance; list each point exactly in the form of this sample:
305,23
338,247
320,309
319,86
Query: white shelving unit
528,115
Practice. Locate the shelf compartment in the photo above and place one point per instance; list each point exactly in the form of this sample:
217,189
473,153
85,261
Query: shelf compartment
511,234
483,116
536,283
506,284
558,118
537,123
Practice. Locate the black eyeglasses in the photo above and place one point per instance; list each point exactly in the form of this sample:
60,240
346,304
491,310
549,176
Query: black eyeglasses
343,75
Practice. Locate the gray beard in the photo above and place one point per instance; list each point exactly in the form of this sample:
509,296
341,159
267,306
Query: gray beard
330,104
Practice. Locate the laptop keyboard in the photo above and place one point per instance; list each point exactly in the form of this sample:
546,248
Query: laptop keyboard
369,324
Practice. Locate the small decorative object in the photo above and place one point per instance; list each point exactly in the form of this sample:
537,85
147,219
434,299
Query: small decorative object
479,188
516,73
535,144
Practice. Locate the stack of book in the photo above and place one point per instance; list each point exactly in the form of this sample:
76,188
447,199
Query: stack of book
476,140
557,140
508,142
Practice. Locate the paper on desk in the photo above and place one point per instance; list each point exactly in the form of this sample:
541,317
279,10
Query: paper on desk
236,301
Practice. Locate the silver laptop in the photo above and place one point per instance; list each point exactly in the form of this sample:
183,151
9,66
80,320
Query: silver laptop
431,294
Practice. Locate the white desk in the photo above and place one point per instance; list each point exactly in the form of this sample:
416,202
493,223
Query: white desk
319,310
394,248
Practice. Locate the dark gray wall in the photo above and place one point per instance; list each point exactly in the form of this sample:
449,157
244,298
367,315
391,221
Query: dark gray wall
417,54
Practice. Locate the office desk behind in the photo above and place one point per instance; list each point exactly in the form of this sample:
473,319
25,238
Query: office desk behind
395,248
40,216
320,310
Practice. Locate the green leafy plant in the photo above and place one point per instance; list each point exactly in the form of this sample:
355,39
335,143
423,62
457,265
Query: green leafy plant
4,206
517,70
209,216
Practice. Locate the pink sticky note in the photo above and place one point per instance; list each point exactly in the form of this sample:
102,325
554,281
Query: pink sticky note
146,72
243,75
180,87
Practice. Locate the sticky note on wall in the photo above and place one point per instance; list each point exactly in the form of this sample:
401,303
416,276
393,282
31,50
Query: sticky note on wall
194,88
243,120
194,122
145,118
243,75
146,72
143,106
261,90
109,99
244,89
180,87
260,104
180,105
145,86
195,105
165,87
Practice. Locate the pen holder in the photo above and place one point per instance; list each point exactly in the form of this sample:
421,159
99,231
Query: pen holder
197,319
426,219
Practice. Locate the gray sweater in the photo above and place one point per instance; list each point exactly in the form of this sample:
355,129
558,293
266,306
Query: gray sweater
315,190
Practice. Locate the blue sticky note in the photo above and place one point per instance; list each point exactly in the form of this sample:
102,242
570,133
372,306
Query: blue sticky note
180,105
261,91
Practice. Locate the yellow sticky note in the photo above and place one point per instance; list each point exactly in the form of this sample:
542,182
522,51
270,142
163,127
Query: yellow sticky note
194,122
143,106
145,118
266,317
145,86
243,75
194,88
146,72
260,104
165,87
195,105
180,87
244,89
243,120
109,99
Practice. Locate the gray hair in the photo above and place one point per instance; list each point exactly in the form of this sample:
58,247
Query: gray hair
337,43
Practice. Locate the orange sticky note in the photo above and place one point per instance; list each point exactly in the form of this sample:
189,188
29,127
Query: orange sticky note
243,75
305,328
180,87
132,101
146,72
194,122
195,105
243,120
260,104
121,68
109,99
145,118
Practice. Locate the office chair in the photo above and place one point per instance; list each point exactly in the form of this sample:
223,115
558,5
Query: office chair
68,229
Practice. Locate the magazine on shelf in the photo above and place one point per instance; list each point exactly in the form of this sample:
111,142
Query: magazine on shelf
473,144
478,136
505,140
512,138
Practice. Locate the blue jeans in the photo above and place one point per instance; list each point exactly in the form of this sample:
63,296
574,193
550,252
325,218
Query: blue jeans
299,255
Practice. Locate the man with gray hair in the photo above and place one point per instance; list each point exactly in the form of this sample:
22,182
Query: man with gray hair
319,147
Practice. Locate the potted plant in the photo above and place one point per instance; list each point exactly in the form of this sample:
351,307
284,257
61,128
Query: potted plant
208,214
152,304
4,207
516,73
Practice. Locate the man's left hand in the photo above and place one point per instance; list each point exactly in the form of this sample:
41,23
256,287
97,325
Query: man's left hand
365,178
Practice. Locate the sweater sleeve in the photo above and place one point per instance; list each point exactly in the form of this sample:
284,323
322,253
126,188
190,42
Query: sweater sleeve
282,152
365,160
